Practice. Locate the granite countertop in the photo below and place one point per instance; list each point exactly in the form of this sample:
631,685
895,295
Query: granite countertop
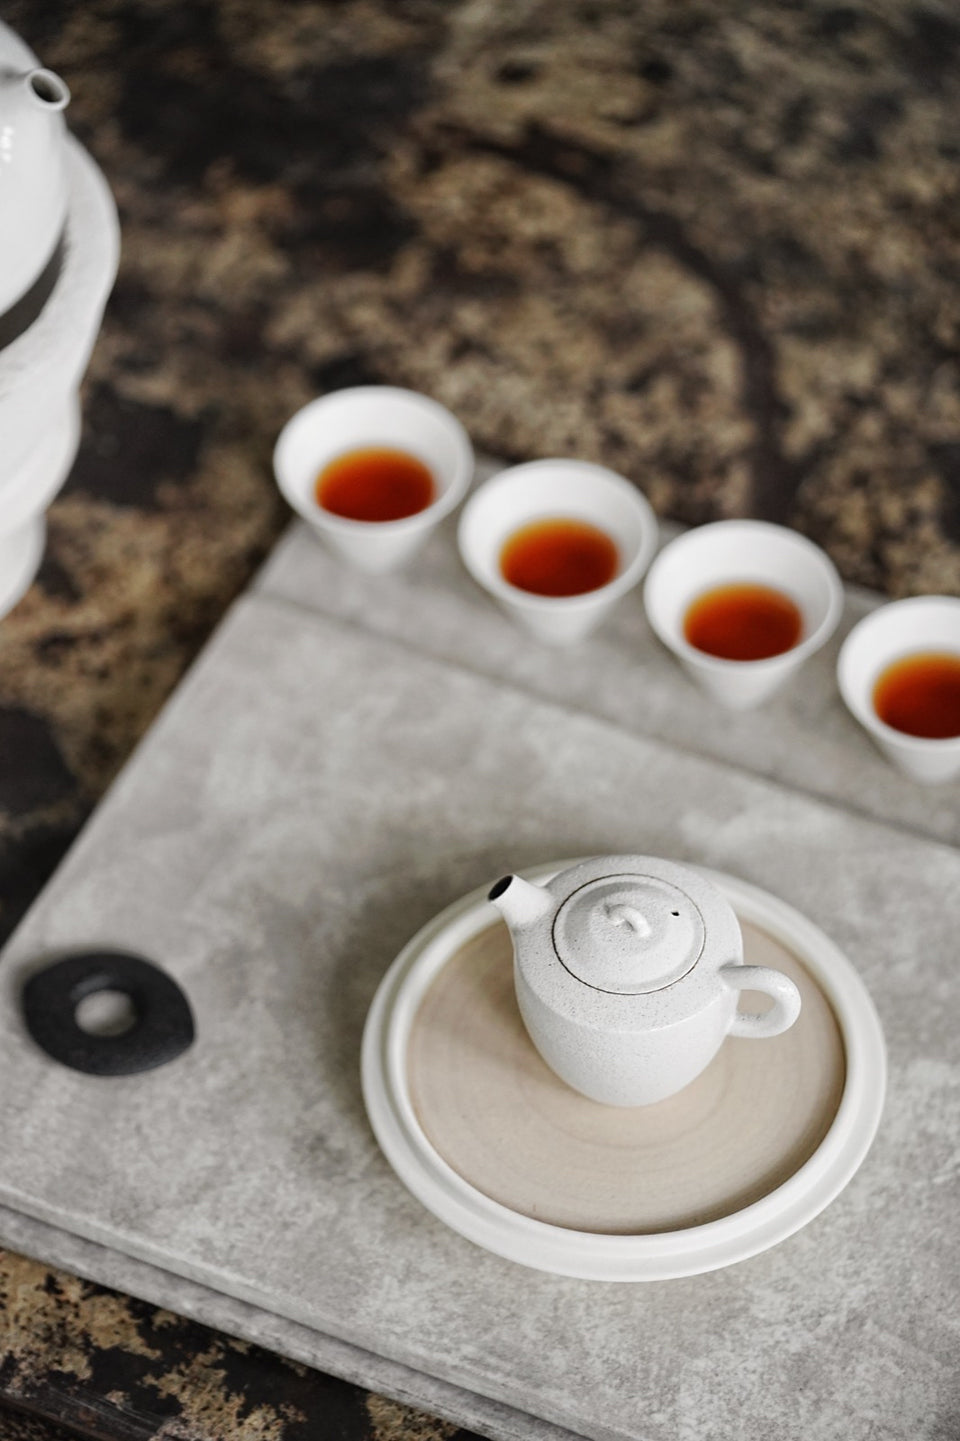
712,246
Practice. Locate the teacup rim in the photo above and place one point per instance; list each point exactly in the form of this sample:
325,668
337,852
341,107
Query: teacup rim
315,514
625,580
675,641
858,703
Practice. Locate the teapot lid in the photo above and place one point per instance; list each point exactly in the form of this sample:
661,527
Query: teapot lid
629,934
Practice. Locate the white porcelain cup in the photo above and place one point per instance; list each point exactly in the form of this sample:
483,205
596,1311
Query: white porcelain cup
628,972
928,623
556,490
752,552
365,417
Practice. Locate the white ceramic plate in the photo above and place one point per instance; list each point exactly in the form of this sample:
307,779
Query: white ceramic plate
605,1257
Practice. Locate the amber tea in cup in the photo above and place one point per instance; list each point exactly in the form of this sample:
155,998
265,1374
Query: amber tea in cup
376,483
329,462
743,621
558,557
557,543
920,695
742,604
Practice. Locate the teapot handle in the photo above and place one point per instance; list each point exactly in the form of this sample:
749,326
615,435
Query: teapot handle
781,990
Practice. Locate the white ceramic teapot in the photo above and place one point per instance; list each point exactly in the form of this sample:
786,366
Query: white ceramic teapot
33,180
627,971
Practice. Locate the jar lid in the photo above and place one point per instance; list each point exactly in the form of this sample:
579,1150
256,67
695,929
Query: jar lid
628,934
15,54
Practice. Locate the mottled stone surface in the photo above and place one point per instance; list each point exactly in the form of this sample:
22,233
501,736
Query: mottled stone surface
116,1368
712,245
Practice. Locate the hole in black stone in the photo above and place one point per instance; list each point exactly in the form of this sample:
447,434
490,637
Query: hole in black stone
107,1012
103,1039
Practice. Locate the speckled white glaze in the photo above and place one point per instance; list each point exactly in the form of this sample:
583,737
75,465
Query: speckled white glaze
628,970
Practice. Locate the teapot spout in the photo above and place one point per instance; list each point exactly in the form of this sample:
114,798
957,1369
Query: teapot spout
519,902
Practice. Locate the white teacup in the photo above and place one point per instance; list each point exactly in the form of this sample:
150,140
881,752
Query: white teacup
367,417
928,623
628,970
544,490
729,552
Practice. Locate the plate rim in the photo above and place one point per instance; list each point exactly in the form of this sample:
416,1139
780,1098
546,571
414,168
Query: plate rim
587,1255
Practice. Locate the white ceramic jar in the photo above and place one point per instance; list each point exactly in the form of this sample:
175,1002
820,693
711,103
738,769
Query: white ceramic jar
628,970
49,187
33,176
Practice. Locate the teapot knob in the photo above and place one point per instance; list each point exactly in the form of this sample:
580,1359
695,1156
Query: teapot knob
629,916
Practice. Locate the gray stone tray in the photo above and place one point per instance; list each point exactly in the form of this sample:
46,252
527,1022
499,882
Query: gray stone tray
113,1268
804,736
313,793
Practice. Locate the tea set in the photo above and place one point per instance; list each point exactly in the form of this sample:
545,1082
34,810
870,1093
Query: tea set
627,969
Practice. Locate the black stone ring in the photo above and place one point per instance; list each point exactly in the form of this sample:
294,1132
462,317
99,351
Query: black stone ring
162,1029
